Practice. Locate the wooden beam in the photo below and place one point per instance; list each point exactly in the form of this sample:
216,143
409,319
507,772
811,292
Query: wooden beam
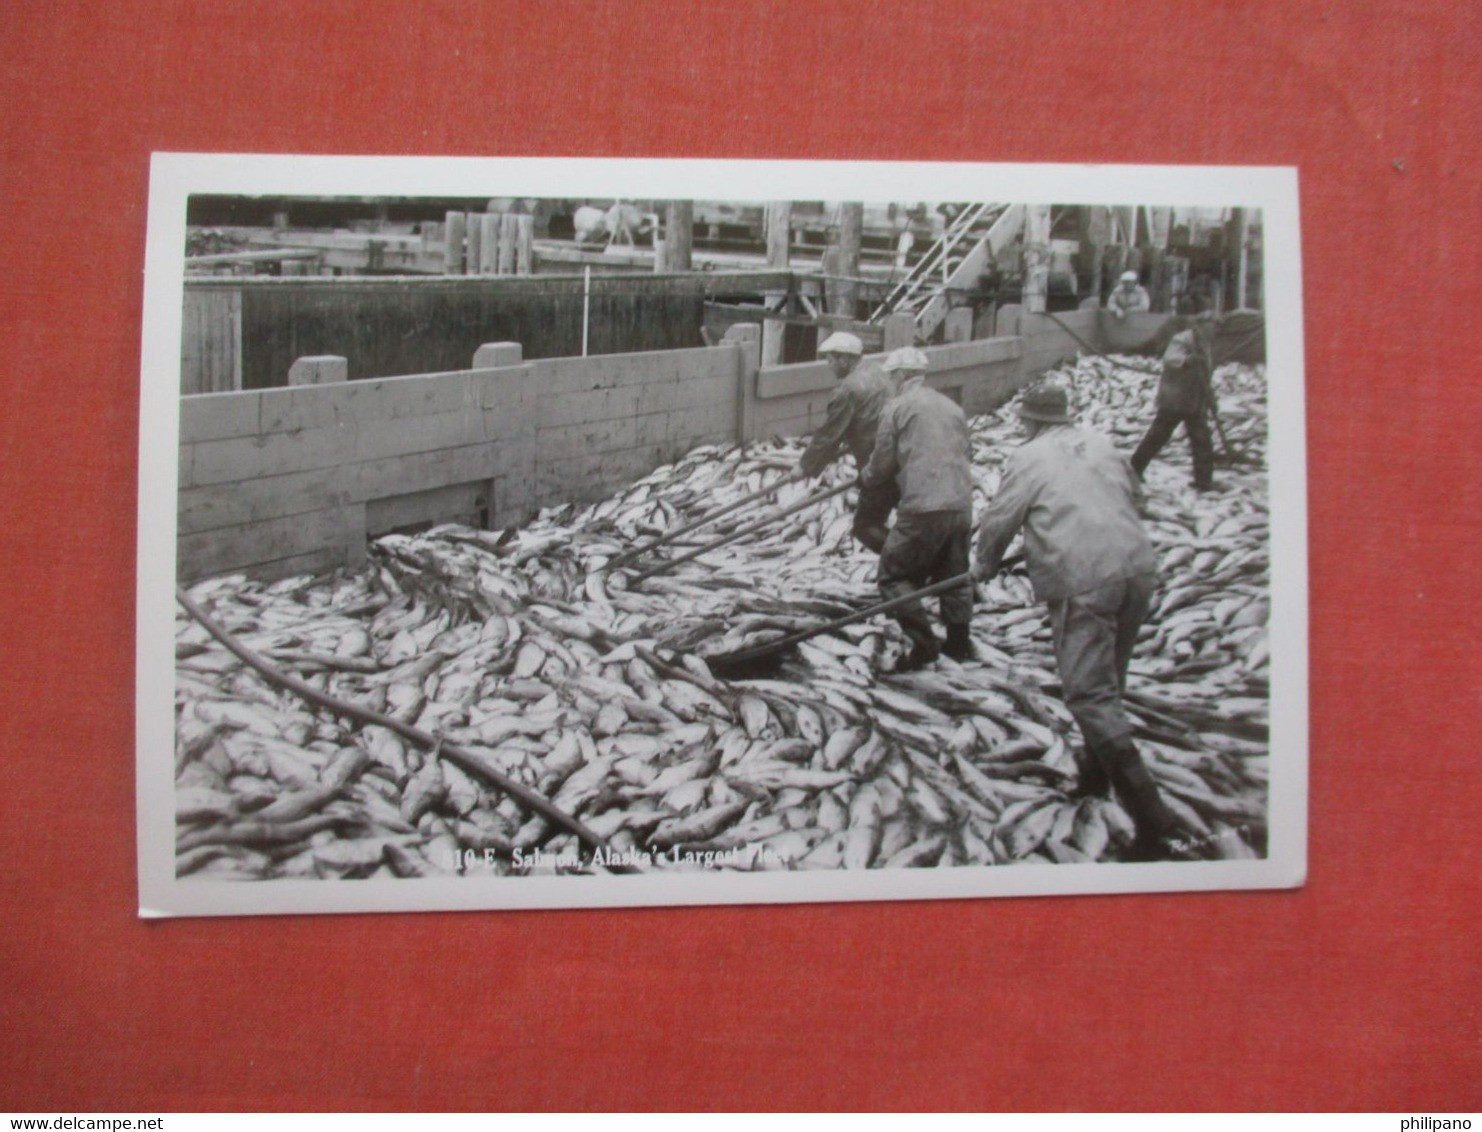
779,233
1239,221
252,257
850,237
524,245
475,244
488,243
454,226
679,225
509,238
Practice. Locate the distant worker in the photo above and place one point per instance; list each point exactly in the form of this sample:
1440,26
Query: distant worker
852,420
1128,296
1185,397
923,447
1090,561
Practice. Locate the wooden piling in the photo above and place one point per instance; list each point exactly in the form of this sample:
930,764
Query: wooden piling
679,224
774,331
851,236
525,245
475,236
509,238
453,227
489,243
1238,222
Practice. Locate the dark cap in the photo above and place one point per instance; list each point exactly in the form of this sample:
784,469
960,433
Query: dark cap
1045,403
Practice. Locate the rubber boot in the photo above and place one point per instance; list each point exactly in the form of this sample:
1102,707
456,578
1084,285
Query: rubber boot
1152,820
1091,779
959,644
922,653
871,536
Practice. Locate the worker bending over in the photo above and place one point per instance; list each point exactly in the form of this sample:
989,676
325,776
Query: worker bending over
1185,397
1128,296
923,448
1090,561
852,419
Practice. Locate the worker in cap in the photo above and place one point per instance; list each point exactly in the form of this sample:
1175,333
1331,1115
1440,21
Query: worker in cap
1076,500
923,448
849,425
1128,296
1185,397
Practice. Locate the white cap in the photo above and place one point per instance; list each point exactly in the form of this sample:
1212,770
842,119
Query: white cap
840,342
1129,277
907,358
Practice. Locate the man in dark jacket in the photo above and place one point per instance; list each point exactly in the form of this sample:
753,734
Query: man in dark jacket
852,419
1184,397
1090,561
923,447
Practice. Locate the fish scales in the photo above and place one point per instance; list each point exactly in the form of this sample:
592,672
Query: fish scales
514,625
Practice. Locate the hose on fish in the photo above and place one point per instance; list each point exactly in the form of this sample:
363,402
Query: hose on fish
461,757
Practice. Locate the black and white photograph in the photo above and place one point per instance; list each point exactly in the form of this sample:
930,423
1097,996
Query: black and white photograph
541,533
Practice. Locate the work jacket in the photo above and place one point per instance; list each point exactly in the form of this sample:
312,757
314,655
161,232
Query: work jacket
1125,301
1075,496
852,419
1184,387
923,445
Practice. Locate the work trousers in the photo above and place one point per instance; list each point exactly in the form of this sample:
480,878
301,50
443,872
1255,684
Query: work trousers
922,548
873,512
1201,447
1094,633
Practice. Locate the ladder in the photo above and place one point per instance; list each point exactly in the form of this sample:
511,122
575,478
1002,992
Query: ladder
931,272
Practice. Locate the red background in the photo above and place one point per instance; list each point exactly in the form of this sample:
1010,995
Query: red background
1360,990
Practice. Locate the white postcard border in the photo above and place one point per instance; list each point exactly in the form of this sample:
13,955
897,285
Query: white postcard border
177,176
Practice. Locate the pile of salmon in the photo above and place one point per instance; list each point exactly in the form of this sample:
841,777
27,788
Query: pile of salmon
592,688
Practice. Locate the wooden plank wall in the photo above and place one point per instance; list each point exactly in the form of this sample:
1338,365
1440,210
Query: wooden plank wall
283,481
429,326
211,341
278,481
406,326
604,422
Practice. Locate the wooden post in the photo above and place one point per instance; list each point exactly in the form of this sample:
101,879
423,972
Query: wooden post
509,238
489,243
525,245
851,234
1036,256
496,355
830,287
1096,229
679,224
744,335
779,234
959,325
453,244
475,244
900,330
774,331
1242,262
319,369
1159,291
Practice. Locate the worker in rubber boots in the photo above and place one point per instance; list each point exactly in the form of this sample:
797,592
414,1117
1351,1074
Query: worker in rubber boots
1075,498
851,422
923,448
1128,296
1185,398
